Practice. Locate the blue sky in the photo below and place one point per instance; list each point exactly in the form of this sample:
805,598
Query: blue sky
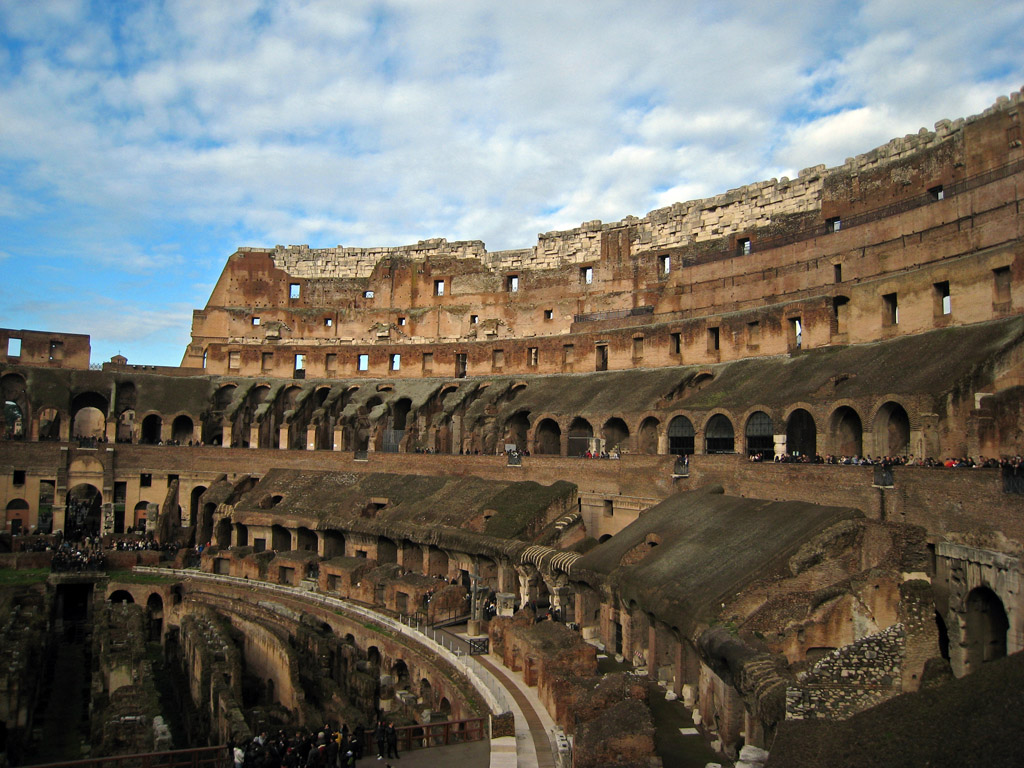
142,142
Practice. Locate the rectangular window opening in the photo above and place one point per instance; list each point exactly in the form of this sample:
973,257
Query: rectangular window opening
512,283
19,477
532,356
294,291
587,275
255,320
145,480
837,273
943,303
401,321
937,192
428,362
363,363
549,314
609,508
834,224
474,319
396,362
331,362
890,310
14,347
1001,277
460,365
601,363
568,353
234,360
439,287
796,332
676,343
367,294
638,348
56,351
498,359
267,361
328,322
300,362
743,246
664,265
713,339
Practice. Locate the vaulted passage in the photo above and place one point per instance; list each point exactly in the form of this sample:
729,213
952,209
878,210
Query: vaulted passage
985,630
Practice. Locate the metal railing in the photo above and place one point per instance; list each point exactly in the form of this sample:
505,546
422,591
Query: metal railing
455,652
201,757
450,732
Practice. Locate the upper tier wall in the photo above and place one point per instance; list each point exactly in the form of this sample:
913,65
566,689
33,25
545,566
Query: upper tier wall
737,211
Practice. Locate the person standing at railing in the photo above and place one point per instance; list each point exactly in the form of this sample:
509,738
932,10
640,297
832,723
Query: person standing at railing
391,736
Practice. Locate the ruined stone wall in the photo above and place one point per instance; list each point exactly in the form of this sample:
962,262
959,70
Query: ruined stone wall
850,679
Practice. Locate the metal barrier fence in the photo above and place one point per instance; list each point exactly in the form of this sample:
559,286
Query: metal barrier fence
201,757
444,734
444,644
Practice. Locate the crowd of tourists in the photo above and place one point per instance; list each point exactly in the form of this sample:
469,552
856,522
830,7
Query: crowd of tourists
326,748
951,462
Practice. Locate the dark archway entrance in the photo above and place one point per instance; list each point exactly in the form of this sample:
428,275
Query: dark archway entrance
847,432
719,436
801,434
985,628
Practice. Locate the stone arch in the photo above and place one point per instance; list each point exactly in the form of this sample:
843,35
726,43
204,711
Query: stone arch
426,693
152,426
387,551
193,503
580,436
891,429
280,539
847,431
517,428
759,434
222,534
49,424
16,414
547,438
444,707
719,436
181,429
155,614
615,434
647,436
306,540
801,433
373,655
213,422
400,675
681,436
17,517
139,517
400,413
88,415
985,628
121,596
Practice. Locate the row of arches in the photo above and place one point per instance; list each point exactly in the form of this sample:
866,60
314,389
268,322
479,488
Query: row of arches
681,437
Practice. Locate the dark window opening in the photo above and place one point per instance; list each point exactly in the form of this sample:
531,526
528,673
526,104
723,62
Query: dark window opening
602,357
19,477
837,273
1002,284
937,192
713,340
145,480
677,343
834,224
460,365
890,310
743,246
943,305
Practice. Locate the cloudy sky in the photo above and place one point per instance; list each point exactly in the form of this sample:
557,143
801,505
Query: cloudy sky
142,142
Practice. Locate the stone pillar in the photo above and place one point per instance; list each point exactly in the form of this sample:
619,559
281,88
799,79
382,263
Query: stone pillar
310,438
780,444
339,438
506,603
254,436
282,436
225,435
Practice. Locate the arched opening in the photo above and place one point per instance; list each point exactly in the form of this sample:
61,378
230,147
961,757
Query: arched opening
518,426
280,539
387,551
444,707
181,430
893,424
759,433
151,428
719,436
193,503
400,675
580,436
121,596
213,422
604,538
400,413
17,517
985,628
307,541
647,437
615,434
14,421
49,424
426,693
204,527
847,432
373,655
88,424
547,439
801,434
139,518
155,611
15,413
82,513
241,535
680,437
222,537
